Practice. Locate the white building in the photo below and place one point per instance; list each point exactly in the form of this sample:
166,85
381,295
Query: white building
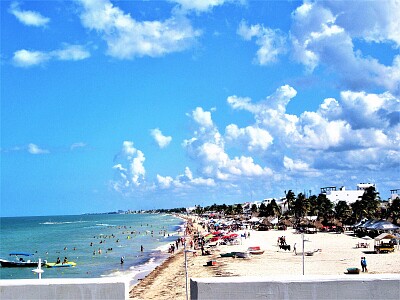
394,194
350,196
282,203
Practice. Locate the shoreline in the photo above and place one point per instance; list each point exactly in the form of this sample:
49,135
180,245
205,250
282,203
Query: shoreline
336,253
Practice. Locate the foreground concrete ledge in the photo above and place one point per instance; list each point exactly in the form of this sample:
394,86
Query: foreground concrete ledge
65,288
365,286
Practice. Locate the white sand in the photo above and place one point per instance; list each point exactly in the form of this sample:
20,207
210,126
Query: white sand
338,252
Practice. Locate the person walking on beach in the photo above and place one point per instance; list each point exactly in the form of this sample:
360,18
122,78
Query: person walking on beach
364,264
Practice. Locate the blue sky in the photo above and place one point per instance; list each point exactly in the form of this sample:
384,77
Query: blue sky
160,104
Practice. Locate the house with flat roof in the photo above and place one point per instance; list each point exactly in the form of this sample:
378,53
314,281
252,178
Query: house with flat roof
350,196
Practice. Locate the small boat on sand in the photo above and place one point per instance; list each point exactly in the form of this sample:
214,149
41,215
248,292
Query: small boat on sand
241,254
228,254
255,250
22,259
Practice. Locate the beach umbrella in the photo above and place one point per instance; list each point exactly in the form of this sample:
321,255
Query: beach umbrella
208,237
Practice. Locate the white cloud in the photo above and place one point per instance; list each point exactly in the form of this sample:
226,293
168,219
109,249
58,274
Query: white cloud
199,5
35,149
78,145
272,42
322,33
127,38
130,167
253,137
26,58
162,141
28,17
202,117
299,166
374,21
71,52
184,181
207,148
356,123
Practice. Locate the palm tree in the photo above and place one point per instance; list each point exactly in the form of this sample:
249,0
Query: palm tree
290,198
238,209
367,206
301,206
342,211
276,210
254,208
394,210
325,207
314,209
262,210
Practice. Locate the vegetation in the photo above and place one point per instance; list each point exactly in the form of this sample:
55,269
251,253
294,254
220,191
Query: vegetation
368,206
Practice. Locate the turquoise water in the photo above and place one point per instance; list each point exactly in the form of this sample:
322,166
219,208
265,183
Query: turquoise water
79,238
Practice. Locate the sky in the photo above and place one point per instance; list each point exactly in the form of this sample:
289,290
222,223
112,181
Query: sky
109,105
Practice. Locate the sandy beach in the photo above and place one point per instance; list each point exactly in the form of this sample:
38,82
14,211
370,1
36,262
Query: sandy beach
333,254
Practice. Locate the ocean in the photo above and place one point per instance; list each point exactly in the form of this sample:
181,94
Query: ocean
95,243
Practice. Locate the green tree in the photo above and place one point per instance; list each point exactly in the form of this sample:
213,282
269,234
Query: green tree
238,209
229,210
290,200
394,210
367,206
262,211
342,211
254,208
313,205
301,206
325,206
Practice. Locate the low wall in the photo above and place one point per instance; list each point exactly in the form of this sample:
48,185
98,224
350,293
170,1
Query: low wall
69,288
369,286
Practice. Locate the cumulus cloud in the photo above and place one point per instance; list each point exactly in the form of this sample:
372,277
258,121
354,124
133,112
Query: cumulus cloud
376,22
358,132
28,17
271,42
355,124
207,148
35,149
184,181
322,33
26,58
162,140
129,167
127,38
299,166
327,35
252,137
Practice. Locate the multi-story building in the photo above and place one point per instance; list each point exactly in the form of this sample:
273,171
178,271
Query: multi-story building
350,196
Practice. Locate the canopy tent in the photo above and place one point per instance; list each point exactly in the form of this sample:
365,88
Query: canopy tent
382,225
384,236
254,220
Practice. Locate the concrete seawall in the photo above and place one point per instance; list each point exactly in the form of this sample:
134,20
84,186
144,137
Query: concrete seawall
69,288
370,286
